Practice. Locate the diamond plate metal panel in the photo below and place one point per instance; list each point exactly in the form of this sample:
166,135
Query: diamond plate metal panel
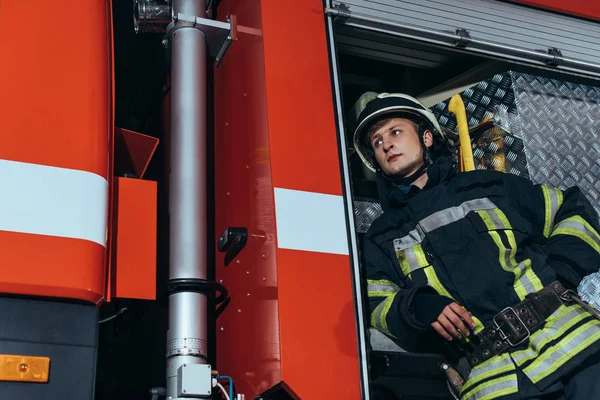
365,212
560,124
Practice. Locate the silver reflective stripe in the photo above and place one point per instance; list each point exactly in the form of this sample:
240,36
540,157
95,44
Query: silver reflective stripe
571,223
493,366
552,330
382,287
411,259
564,350
453,214
440,219
414,237
495,388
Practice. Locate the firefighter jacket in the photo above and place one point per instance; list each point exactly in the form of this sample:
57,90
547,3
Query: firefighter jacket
484,239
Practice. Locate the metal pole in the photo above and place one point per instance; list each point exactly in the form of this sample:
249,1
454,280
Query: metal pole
187,335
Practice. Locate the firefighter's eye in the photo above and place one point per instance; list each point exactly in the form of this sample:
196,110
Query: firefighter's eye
396,132
377,143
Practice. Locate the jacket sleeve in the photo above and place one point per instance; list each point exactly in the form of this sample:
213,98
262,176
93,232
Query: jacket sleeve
565,223
391,298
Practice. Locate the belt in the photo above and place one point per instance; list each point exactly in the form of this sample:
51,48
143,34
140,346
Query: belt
513,325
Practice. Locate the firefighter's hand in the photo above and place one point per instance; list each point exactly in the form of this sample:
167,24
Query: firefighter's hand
452,318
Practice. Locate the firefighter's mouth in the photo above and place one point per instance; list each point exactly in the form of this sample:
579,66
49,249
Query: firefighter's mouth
393,157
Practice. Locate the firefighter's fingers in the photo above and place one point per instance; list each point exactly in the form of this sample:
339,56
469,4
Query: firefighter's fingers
457,322
462,313
448,325
441,331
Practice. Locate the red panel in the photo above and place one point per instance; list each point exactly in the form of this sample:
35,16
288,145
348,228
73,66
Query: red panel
318,331
56,110
302,131
580,8
248,340
134,243
51,266
55,81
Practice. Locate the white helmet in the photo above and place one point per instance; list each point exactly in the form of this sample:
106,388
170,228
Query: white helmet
386,104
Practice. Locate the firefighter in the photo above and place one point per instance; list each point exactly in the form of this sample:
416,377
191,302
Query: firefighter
484,262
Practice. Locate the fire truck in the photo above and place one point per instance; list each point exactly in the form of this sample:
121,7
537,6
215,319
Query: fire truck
182,207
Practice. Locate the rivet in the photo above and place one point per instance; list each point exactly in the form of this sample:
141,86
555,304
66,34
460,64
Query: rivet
222,328
263,256
264,279
247,272
245,94
226,123
239,310
228,193
220,280
247,294
237,261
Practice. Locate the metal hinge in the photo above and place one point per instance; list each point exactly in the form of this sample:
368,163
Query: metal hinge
340,12
464,40
557,57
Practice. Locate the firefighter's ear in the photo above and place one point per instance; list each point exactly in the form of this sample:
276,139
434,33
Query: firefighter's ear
428,138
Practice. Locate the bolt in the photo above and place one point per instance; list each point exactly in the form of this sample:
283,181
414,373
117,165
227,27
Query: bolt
23,367
245,94
222,328
220,280
247,294
247,272
228,193
264,279
239,310
263,256
226,123
165,42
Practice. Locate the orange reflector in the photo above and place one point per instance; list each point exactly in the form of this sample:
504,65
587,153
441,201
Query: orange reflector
24,368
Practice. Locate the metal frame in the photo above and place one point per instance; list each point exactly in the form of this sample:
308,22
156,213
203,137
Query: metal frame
347,185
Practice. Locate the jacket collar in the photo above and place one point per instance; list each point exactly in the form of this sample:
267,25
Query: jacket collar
393,194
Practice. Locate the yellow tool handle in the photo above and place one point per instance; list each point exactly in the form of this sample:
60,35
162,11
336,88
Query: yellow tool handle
457,107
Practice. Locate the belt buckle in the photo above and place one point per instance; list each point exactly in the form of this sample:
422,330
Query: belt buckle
503,335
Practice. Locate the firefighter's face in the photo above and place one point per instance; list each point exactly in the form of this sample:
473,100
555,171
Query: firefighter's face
397,148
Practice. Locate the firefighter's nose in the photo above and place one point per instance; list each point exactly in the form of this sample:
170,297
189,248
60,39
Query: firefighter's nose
387,146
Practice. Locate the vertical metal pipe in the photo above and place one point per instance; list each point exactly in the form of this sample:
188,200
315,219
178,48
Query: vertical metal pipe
187,336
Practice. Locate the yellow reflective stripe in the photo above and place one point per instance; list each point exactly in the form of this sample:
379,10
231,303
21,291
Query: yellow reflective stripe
380,282
494,366
567,348
404,266
524,267
532,281
580,228
564,320
525,279
553,199
379,314
411,259
435,283
495,388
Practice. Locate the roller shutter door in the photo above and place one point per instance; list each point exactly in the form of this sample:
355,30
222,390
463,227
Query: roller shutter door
489,27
